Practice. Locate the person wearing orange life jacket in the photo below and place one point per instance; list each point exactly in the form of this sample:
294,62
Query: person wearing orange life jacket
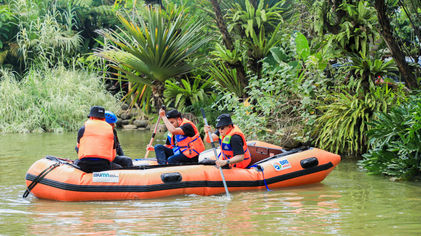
232,141
96,145
184,143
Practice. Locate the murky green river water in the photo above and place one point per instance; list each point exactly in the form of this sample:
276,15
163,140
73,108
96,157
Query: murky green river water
347,202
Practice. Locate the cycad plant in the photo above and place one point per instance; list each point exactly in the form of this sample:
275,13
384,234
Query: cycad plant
152,48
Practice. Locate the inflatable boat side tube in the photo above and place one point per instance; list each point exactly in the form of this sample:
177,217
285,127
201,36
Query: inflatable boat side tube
173,181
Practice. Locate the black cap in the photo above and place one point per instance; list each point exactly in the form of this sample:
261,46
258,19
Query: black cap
173,114
97,111
223,120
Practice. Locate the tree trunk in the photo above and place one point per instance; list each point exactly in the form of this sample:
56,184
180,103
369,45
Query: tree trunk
241,74
157,95
221,25
414,24
397,54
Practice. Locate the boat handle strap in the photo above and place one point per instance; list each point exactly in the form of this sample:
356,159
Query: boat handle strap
39,178
260,168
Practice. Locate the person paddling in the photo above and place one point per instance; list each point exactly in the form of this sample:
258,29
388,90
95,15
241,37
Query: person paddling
184,143
232,142
120,158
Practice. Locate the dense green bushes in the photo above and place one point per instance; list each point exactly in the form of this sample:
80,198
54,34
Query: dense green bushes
395,141
52,100
344,119
275,110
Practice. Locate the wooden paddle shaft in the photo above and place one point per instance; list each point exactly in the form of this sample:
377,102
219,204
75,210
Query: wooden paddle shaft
153,135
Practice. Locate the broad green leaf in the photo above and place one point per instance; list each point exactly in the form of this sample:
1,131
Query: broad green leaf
303,50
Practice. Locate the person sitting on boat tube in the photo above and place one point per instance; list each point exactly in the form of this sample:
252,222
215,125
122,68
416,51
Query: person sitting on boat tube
232,142
120,158
96,146
184,143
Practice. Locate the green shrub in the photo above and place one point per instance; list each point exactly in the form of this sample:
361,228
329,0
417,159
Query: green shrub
274,111
395,141
345,117
50,100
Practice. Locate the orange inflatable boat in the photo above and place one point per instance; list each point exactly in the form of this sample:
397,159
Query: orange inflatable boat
272,167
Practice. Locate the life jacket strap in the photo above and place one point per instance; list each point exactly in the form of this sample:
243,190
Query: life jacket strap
188,146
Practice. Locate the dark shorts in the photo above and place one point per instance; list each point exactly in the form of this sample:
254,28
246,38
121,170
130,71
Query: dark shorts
90,165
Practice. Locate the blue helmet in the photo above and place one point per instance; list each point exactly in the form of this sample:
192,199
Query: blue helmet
110,117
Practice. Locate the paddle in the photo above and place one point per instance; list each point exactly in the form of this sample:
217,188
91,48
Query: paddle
214,151
154,132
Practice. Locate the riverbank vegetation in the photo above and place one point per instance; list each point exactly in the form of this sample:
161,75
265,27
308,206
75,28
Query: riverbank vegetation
331,74
49,99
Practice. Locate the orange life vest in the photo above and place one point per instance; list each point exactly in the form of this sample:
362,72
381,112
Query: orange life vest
226,149
189,146
97,140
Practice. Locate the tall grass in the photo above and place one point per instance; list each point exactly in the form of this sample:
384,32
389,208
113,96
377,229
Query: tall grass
44,40
50,100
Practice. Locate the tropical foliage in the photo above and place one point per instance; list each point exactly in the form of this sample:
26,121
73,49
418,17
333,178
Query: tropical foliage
184,94
395,141
350,25
252,29
274,109
344,118
292,72
227,79
7,25
151,48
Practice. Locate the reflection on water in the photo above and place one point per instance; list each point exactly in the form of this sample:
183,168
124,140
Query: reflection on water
347,202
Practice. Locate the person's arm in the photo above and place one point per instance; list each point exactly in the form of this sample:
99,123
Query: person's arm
235,159
170,127
119,150
79,136
237,149
208,129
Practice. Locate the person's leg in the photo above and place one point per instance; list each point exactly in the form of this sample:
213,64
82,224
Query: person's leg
181,158
162,153
115,166
95,165
123,161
